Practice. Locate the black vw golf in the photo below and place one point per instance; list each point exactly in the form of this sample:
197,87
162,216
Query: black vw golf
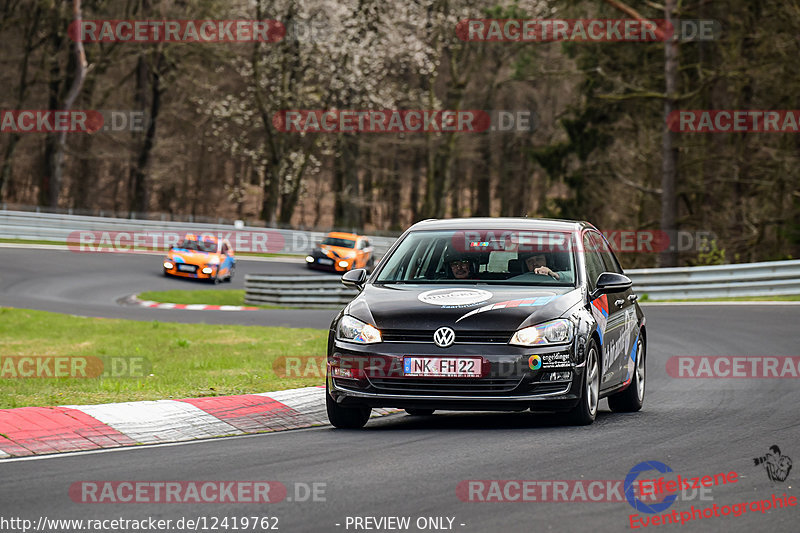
489,314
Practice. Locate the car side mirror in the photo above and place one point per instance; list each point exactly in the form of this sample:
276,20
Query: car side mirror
354,279
611,282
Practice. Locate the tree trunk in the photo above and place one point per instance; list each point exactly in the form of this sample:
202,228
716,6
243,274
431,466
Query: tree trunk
394,184
483,178
669,167
347,208
30,32
415,184
56,142
148,77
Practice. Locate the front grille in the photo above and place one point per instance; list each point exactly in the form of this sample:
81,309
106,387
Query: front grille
462,337
487,386
544,388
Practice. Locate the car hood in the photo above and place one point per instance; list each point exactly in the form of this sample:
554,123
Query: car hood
336,252
183,255
474,307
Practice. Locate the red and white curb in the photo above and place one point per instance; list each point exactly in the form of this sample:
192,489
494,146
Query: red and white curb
195,307
45,430
134,300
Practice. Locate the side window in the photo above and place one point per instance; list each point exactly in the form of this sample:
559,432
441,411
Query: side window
225,248
594,262
610,262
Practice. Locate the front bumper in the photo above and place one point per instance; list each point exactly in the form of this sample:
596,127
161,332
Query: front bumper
197,274
333,266
508,381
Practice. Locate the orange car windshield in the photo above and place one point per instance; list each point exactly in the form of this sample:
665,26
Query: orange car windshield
199,246
342,243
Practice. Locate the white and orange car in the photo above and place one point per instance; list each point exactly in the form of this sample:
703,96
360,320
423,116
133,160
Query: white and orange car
340,252
201,257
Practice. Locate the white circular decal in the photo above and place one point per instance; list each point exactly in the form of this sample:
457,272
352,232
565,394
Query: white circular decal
454,296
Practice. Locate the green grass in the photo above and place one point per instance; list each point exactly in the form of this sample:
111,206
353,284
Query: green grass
208,297
185,360
784,298
32,241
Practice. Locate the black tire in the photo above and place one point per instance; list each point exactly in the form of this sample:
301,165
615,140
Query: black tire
420,412
585,412
631,399
345,417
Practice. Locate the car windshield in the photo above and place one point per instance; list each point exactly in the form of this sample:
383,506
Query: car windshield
342,243
199,246
518,257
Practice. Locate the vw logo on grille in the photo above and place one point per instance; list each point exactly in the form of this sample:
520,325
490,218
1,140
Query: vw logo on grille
444,337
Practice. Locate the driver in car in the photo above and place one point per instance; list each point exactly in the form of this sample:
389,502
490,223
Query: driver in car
538,265
461,268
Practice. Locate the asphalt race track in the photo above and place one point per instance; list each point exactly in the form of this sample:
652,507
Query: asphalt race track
90,284
401,466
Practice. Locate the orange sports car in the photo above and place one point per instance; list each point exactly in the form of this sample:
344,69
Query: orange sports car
204,257
340,252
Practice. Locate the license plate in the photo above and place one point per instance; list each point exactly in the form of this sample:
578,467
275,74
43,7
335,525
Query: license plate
186,268
323,261
443,367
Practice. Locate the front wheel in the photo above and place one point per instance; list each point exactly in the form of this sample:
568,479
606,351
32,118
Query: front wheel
585,412
631,399
345,417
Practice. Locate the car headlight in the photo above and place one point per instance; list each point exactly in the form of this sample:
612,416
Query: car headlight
343,264
207,270
168,265
554,332
353,330
309,259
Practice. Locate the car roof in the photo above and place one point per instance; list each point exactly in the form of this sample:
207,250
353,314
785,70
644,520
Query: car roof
195,237
340,235
502,223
